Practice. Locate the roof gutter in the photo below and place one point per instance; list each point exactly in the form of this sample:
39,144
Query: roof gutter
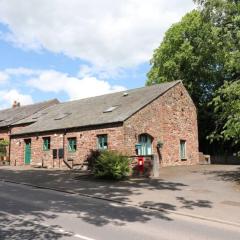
65,129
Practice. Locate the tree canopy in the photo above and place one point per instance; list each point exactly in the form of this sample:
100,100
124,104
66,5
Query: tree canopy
224,15
189,51
226,103
203,51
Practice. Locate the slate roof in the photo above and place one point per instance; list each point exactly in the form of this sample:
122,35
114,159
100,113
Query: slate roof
109,108
9,117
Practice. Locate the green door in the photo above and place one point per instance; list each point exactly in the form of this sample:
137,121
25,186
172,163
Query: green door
27,158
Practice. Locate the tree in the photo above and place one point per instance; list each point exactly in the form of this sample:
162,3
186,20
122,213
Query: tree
203,51
189,51
226,103
225,17
3,148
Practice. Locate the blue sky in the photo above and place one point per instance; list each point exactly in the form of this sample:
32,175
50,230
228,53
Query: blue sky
75,49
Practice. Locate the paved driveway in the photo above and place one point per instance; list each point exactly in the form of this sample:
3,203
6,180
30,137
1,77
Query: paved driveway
209,191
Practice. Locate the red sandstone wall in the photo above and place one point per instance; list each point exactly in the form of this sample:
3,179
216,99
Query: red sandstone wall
179,123
170,118
86,141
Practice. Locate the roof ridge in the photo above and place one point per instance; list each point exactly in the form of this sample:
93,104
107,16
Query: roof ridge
29,105
127,90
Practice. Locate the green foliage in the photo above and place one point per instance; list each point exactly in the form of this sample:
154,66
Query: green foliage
189,52
3,147
226,105
111,165
224,15
203,51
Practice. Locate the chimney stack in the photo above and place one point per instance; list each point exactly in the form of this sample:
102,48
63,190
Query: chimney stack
16,104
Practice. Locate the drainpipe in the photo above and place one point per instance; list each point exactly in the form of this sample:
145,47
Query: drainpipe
64,134
9,147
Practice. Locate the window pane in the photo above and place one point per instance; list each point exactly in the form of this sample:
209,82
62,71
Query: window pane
46,143
183,149
146,144
102,142
72,144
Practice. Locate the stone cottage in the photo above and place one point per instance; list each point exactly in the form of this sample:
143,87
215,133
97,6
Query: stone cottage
158,120
9,118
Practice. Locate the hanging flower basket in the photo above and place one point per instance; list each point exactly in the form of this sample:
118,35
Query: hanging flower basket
159,144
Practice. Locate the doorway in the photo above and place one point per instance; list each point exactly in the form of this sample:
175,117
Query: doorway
27,156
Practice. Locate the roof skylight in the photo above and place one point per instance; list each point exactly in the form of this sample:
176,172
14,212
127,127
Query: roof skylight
110,109
62,115
36,116
9,119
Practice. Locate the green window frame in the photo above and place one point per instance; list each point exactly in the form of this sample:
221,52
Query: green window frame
145,142
183,149
72,144
46,143
102,142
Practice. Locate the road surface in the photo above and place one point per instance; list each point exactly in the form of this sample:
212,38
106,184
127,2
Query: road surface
31,213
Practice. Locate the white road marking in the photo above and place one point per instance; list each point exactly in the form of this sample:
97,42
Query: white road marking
83,237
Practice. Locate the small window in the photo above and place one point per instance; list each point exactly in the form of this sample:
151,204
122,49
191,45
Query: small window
183,149
102,142
46,143
72,144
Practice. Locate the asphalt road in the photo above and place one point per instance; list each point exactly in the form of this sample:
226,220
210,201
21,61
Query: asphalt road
31,213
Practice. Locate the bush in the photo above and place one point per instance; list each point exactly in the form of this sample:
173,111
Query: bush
3,147
111,165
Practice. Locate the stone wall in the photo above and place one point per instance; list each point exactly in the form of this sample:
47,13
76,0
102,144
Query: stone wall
86,141
179,123
169,119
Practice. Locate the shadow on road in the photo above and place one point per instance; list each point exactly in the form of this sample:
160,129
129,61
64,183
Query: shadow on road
47,205
17,228
86,184
190,204
230,175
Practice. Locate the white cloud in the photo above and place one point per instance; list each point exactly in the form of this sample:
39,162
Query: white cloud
76,88
53,82
108,34
3,77
20,71
8,97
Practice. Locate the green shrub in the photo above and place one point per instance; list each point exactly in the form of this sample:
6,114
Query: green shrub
111,165
3,147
